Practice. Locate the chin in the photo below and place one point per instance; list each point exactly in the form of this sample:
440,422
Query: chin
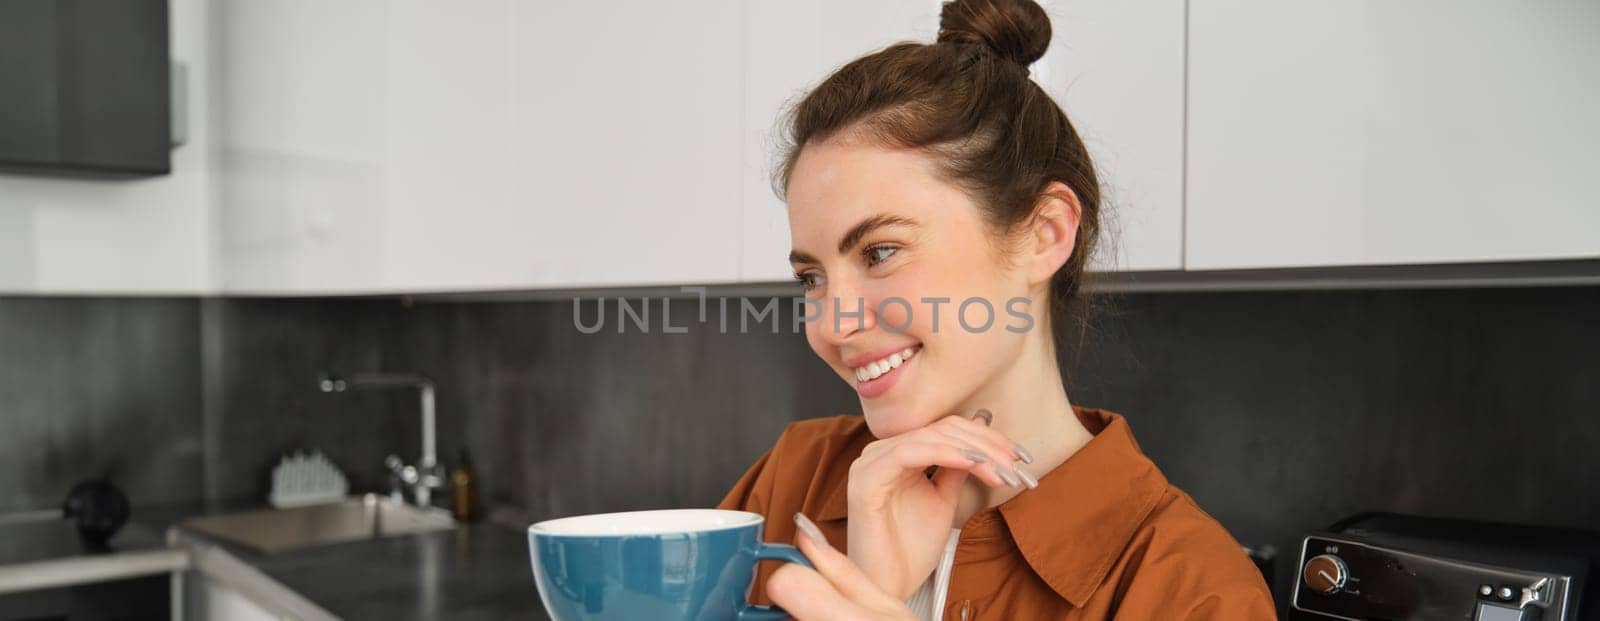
887,420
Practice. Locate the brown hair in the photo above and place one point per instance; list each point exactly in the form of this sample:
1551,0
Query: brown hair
967,100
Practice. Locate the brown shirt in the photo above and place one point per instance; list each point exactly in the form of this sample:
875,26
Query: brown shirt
1104,536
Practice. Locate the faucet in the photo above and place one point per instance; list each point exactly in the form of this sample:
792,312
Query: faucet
424,477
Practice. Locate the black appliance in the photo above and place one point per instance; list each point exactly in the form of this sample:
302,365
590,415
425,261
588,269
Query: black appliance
1391,566
85,87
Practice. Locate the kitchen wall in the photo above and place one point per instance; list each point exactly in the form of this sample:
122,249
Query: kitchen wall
1277,411
559,421
1281,411
99,387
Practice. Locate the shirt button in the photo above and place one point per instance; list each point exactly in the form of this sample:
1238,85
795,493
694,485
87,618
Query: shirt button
966,610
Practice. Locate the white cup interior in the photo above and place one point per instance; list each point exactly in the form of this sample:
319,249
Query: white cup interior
656,522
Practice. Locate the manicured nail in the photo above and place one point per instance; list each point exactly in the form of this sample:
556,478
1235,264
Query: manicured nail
810,529
975,456
1005,475
1027,479
1022,453
983,415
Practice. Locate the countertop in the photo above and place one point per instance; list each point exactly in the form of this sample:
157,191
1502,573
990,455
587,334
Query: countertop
41,550
477,571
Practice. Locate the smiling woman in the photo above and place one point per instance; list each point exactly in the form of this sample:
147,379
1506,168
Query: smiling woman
929,185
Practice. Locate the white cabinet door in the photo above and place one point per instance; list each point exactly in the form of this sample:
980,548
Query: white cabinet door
1377,132
628,141
416,146
1116,68
305,98
205,599
790,47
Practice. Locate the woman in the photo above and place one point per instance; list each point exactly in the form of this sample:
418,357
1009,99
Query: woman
942,210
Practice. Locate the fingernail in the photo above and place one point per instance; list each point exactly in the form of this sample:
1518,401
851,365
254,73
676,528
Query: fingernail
1027,479
1009,477
975,456
1022,453
984,415
810,529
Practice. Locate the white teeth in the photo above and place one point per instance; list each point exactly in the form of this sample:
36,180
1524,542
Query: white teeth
875,369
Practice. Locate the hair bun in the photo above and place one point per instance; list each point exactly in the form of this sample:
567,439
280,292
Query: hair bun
1018,30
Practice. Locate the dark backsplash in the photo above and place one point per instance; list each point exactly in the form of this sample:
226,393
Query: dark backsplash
1277,411
558,421
93,387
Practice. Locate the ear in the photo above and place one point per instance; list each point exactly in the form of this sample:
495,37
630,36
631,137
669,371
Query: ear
1053,231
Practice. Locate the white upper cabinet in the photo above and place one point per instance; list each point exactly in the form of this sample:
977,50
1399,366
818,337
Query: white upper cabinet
790,47
1375,132
415,146
379,146
1116,68
629,141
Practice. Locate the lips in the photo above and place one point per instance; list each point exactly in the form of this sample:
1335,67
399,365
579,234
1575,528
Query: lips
877,372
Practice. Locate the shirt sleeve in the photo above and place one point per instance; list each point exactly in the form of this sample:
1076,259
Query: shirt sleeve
1214,587
753,493
1232,604
753,490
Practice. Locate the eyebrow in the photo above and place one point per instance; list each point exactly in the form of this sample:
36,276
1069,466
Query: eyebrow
855,234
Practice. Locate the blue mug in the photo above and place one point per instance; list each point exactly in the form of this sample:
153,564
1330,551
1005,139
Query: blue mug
666,564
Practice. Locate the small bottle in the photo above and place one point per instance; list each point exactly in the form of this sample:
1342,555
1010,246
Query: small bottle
464,490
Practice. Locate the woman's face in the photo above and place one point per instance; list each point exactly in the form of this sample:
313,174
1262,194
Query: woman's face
875,230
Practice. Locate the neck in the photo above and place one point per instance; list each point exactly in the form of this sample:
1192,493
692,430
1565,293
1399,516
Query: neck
1030,406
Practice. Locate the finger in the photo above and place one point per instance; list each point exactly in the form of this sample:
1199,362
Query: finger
916,456
1012,467
948,481
988,435
997,453
1003,462
805,594
835,566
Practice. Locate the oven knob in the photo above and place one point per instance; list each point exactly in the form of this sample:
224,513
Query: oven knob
1325,574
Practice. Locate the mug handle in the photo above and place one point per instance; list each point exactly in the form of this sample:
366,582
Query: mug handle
773,552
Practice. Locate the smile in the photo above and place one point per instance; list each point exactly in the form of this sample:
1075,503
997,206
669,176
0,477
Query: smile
877,368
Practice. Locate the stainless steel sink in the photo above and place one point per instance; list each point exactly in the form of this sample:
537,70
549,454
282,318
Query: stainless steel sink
352,519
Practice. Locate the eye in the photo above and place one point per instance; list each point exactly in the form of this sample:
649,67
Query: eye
809,280
879,254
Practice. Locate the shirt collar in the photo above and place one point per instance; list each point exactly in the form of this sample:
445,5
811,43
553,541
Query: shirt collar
1074,526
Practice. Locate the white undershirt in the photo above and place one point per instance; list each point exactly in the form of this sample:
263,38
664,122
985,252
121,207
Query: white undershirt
928,602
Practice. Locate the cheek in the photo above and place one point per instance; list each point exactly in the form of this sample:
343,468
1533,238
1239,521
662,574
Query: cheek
895,314
897,303
818,344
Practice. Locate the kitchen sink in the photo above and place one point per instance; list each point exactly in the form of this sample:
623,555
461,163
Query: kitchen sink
352,519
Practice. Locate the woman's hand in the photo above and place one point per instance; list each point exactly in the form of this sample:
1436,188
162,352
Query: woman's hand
899,519
835,590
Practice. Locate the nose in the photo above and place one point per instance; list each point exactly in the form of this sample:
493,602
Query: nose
845,312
